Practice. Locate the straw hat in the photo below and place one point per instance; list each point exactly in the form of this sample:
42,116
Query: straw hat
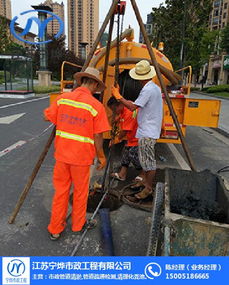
142,71
92,73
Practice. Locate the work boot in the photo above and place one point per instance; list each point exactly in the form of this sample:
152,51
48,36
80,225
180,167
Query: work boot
54,237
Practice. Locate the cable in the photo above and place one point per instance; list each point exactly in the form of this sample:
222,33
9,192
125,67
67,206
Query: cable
223,169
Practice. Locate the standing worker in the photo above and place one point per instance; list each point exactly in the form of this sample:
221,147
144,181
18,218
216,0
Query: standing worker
80,120
149,119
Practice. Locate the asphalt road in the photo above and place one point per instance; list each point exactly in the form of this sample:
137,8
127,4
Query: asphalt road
28,235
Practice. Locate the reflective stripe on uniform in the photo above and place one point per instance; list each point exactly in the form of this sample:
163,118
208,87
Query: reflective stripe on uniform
74,137
135,112
79,105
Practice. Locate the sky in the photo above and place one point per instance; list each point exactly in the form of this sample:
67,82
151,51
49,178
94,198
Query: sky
145,7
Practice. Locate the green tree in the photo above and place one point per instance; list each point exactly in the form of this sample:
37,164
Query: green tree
14,48
182,25
57,53
224,44
4,34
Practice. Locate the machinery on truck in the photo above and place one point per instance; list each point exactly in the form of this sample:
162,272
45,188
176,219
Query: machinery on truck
189,111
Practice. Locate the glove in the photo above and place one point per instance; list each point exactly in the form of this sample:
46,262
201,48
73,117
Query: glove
115,93
102,159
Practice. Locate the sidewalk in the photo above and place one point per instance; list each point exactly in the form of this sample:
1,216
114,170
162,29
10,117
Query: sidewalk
224,112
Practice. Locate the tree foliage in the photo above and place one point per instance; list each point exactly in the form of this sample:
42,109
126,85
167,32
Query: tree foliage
57,53
15,49
183,23
225,39
4,35
7,46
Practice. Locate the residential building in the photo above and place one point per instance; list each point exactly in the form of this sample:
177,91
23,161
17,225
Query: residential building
217,72
83,25
148,27
5,9
58,9
28,37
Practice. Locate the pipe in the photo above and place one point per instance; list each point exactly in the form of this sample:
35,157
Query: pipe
169,74
126,34
106,231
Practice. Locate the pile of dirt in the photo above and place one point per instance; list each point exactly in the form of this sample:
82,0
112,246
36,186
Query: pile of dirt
193,206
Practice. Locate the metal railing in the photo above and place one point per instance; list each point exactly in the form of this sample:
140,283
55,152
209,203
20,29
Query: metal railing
189,76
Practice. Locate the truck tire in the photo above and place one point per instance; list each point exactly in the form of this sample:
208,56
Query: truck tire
156,219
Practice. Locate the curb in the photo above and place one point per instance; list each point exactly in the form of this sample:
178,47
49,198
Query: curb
222,132
209,94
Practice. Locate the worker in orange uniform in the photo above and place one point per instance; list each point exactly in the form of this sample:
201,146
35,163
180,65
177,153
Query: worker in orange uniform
80,120
128,126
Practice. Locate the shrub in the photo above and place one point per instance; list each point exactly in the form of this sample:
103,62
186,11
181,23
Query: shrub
218,88
46,89
195,89
2,76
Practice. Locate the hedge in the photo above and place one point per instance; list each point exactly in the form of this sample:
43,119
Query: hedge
46,89
218,89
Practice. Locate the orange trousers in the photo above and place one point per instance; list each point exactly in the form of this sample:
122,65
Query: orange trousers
63,176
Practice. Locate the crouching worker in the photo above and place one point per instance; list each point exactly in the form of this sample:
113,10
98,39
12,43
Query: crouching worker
128,125
80,120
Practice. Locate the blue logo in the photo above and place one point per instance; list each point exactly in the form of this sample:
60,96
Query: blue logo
41,26
16,267
153,270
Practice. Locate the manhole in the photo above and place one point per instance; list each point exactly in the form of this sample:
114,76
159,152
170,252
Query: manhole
111,202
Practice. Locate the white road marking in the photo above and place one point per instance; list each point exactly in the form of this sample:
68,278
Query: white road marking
10,119
24,102
8,149
21,143
183,164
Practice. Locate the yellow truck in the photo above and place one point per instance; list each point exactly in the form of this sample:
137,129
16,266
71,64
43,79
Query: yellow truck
189,111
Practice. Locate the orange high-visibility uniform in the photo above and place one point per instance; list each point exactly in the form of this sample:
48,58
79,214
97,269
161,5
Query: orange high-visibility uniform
77,116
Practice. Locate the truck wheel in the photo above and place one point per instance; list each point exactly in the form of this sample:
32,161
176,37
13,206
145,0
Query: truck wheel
156,219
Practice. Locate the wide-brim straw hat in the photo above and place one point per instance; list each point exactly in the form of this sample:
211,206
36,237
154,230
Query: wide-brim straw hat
142,71
92,73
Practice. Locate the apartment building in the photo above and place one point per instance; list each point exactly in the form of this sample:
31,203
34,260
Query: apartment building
58,9
5,9
83,25
217,71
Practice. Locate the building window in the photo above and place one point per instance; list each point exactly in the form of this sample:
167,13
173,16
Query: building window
216,13
215,21
225,5
224,15
216,3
